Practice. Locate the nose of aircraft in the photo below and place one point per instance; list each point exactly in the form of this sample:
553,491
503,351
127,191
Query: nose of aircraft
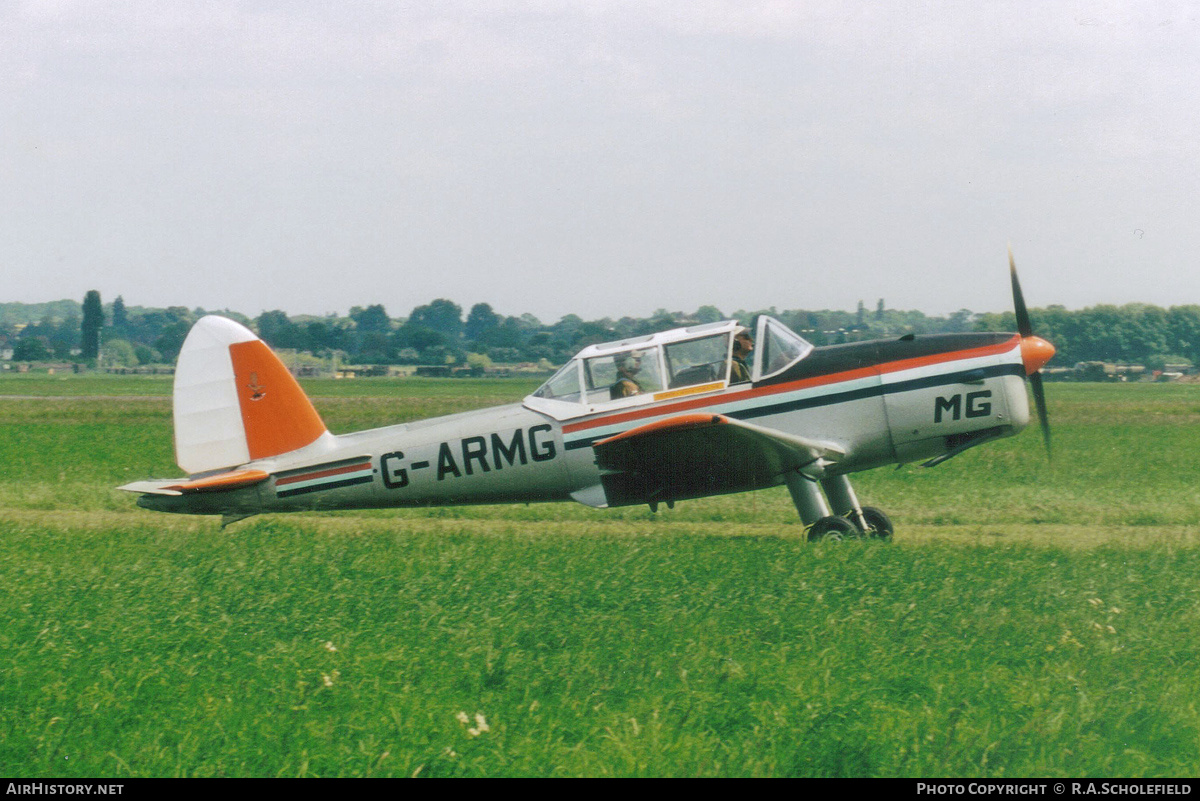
1035,352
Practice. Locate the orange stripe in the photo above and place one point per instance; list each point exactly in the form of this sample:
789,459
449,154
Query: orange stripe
685,421
276,413
958,355
238,478
806,383
322,473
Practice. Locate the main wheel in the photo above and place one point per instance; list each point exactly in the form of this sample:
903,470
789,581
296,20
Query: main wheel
879,525
833,528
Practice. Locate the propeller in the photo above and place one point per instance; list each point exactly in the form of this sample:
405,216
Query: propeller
1035,352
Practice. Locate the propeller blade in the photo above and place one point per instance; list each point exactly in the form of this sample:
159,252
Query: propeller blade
1024,327
1039,398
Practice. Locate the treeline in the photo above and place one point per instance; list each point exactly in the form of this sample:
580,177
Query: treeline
1135,333
440,333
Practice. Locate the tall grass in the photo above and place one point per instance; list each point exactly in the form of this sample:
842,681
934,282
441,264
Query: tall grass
1028,620
287,649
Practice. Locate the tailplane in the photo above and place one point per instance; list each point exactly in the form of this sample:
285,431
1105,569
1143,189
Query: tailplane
235,402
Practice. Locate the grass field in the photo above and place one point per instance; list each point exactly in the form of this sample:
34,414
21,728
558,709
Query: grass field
1028,619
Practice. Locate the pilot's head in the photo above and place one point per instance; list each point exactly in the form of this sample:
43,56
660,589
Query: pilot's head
743,342
629,363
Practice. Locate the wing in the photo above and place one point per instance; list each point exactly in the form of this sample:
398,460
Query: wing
693,455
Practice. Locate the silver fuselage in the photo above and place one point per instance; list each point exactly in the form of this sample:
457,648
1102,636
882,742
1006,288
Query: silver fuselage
883,402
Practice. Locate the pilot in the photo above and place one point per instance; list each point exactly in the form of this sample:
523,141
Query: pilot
628,366
743,343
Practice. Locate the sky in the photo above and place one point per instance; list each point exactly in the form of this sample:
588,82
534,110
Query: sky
604,159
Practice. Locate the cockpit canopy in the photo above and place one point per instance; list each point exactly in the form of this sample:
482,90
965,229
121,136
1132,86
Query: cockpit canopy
671,364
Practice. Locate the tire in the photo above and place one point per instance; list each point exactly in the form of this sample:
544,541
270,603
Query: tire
833,528
879,525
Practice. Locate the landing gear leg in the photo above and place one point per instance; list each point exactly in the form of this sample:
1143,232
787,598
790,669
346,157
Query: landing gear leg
869,520
843,500
807,497
814,512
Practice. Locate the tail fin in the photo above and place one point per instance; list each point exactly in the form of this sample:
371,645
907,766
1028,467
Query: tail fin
234,401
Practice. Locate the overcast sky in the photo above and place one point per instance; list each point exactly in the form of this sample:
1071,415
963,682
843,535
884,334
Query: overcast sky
599,158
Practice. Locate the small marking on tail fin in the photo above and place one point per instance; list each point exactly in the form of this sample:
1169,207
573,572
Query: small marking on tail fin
259,391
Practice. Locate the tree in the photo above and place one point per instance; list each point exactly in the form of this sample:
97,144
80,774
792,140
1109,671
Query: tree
64,336
146,354
31,349
1184,323
93,321
278,331
441,315
120,353
960,321
481,321
479,362
176,322
567,326
420,337
323,335
591,333
120,317
373,319
508,334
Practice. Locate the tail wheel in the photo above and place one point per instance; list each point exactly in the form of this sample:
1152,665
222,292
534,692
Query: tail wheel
833,528
879,525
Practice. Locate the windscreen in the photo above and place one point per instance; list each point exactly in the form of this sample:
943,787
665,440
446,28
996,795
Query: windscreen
780,347
563,385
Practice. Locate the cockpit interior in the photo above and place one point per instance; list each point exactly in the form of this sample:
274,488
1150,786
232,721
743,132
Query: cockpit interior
667,365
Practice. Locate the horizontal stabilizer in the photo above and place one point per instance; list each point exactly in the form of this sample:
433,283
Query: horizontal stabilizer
219,482
223,481
159,487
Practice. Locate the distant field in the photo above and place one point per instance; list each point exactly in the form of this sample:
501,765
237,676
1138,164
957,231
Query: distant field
69,384
1028,619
